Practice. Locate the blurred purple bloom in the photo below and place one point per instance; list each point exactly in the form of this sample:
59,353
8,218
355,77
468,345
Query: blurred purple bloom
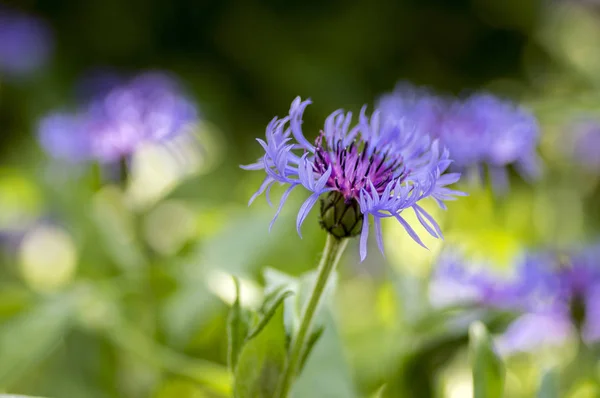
546,292
481,130
534,330
385,166
25,43
64,137
459,281
585,138
415,105
149,108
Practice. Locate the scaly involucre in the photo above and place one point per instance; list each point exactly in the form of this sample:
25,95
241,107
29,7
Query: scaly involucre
383,165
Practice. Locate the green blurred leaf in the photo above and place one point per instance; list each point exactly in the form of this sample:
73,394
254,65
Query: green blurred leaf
549,387
18,396
312,340
326,369
116,225
270,305
29,338
379,392
237,327
210,376
262,360
13,300
488,369
184,316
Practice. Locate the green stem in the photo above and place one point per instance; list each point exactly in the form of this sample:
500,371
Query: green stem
334,248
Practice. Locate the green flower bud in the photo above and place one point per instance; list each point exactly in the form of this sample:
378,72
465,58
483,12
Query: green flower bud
339,217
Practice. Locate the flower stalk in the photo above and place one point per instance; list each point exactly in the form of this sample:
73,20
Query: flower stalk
332,253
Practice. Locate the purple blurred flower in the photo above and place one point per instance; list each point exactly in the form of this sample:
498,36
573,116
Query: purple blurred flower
381,167
25,43
149,108
534,330
415,105
555,299
459,281
584,137
481,130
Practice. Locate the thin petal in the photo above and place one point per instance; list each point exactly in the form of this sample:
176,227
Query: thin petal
253,166
410,231
378,233
281,203
305,209
266,182
296,112
428,222
364,236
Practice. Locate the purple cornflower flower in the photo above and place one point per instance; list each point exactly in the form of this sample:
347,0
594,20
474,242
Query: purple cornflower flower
25,43
378,168
109,128
415,105
555,297
481,130
457,280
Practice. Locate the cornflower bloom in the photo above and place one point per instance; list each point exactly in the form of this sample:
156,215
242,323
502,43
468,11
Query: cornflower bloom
110,127
457,280
379,168
556,298
480,131
25,43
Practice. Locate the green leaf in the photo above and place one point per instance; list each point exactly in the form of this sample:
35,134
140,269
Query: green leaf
312,340
549,385
270,305
18,396
379,392
488,369
116,225
237,327
29,338
262,359
326,372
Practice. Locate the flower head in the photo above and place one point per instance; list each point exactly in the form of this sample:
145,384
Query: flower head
554,296
25,43
112,125
481,130
377,167
459,281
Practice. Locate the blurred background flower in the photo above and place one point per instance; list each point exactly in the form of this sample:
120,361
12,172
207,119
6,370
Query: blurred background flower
117,121
25,43
482,132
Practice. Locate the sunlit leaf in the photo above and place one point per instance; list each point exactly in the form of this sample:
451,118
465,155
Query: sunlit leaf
18,396
29,338
116,226
237,327
326,369
211,376
549,385
269,307
262,360
312,340
488,369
